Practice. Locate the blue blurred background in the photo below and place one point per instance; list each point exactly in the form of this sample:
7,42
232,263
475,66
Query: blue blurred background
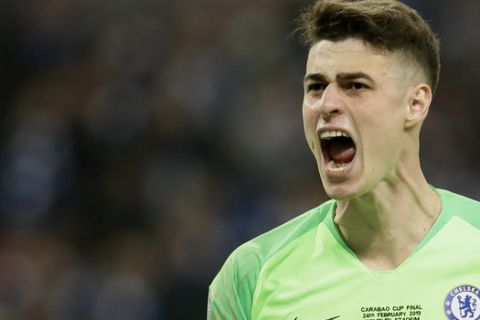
143,140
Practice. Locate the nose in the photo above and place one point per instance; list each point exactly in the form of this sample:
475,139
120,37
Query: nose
331,103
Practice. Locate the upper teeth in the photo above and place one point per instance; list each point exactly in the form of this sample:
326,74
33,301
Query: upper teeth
333,134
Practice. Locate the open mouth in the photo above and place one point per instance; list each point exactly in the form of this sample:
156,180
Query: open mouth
338,149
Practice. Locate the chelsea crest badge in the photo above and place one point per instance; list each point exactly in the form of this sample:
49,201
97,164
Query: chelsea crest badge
463,302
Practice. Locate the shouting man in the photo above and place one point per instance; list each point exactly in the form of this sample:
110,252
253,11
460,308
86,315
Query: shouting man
387,245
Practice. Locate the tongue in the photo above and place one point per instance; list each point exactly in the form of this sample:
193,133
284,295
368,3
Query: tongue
341,150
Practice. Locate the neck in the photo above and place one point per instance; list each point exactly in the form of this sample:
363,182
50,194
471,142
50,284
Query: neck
384,226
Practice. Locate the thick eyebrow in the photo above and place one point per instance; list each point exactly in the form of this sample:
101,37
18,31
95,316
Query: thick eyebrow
341,77
315,77
347,76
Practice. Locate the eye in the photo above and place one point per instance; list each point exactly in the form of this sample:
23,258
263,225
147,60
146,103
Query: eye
357,85
316,86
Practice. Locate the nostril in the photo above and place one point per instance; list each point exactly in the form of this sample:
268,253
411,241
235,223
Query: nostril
328,114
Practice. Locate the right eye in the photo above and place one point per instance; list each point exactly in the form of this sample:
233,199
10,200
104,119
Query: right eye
315,86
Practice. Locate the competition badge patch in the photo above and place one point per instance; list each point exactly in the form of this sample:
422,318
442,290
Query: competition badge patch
463,302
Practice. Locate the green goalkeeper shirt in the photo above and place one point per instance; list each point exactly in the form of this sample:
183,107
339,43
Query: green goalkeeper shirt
303,270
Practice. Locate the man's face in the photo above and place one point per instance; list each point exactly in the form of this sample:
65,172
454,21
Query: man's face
354,108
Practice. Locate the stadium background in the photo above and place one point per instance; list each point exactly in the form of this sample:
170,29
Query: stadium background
142,140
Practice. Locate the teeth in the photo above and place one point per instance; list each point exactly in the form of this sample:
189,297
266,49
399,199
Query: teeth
333,134
334,166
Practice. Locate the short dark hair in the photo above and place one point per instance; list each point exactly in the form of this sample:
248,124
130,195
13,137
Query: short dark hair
384,24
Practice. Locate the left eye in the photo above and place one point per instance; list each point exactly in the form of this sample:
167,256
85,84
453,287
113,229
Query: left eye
357,86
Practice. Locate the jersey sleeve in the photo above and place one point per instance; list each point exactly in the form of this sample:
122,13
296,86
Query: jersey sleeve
231,292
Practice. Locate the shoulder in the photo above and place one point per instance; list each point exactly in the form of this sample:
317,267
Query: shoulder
460,206
453,199
274,240
235,284
266,245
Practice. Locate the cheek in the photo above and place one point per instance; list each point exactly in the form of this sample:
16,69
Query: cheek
309,125
381,134
384,147
383,121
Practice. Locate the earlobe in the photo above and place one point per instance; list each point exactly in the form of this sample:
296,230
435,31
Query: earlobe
418,105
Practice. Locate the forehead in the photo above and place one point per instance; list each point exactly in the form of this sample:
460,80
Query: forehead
353,55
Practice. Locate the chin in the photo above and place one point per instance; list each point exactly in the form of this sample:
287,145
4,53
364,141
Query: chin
341,191
338,193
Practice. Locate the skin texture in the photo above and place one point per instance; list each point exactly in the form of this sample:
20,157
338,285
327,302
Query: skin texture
384,203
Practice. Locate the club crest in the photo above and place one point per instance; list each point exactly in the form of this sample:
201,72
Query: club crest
463,302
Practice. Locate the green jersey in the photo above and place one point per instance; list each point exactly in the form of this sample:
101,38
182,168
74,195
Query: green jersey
303,270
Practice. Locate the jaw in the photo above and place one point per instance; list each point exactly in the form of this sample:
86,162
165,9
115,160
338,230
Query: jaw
360,178
340,188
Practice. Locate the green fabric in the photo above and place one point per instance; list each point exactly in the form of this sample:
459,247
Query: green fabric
304,270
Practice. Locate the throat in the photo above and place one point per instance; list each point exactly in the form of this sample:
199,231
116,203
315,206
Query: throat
380,250
383,234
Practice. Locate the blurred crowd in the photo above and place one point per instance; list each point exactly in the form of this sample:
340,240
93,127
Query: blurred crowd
143,140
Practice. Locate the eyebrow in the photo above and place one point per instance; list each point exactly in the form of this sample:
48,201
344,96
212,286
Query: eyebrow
342,76
345,76
315,77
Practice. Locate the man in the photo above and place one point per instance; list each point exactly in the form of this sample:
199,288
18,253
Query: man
388,245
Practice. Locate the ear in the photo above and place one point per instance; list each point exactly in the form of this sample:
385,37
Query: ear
419,101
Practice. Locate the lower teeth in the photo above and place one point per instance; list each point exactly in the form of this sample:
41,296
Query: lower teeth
337,166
